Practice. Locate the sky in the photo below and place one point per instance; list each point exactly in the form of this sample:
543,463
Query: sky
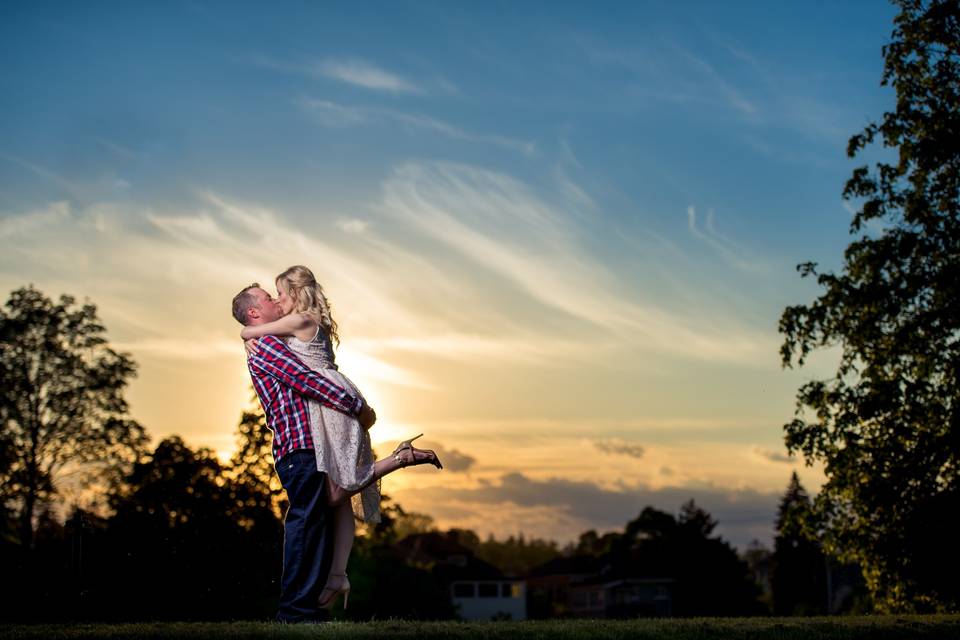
557,237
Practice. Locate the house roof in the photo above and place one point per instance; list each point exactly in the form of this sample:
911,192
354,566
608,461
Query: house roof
611,582
449,560
568,565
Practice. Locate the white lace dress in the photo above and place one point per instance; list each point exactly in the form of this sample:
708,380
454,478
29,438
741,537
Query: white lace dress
341,445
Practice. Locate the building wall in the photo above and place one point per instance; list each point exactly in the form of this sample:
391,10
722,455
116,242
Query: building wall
486,599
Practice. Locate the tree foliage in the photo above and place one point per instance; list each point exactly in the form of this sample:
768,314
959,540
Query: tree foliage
515,555
61,399
710,578
178,513
885,426
252,463
799,569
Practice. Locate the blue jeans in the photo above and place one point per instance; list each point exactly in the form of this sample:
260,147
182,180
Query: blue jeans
307,538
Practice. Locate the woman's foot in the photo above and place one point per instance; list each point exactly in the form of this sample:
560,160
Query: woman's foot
337,583
408,455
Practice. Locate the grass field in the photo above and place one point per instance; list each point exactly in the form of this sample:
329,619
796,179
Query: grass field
928,627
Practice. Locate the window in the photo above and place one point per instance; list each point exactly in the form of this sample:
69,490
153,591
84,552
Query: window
488,590
463,590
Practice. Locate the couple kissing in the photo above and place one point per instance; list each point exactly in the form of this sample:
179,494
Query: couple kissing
321,442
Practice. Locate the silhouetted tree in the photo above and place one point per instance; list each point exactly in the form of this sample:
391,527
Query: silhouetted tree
208,551
411,522
61,399
759,561
886,426
252,462
589,544
711,578
514,555
799,570
8,531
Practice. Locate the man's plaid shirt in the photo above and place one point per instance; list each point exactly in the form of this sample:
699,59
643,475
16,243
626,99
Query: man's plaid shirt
283,384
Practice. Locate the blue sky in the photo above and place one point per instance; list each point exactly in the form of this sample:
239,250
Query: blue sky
546,228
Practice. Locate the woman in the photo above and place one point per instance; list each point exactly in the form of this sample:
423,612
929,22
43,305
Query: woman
341,444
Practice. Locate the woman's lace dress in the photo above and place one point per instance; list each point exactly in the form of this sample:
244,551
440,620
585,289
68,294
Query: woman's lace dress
341,445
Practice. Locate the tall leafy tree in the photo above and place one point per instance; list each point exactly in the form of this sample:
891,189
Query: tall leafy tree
799,566
61,399
886,426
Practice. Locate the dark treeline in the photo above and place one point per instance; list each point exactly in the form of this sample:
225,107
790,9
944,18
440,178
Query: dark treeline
184,536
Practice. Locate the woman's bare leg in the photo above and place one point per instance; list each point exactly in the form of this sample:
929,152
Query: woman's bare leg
344,526
344,531
381,468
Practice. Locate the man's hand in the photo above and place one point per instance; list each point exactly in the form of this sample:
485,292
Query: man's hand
250,346
367,416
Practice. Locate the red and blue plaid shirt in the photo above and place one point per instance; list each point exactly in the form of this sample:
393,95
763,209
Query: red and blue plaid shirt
284,384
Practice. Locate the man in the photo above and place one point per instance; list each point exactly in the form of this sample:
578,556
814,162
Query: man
284,384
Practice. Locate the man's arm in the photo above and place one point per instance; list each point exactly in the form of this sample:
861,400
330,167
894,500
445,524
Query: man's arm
274,359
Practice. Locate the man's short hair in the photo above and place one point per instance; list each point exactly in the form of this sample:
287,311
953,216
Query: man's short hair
242,302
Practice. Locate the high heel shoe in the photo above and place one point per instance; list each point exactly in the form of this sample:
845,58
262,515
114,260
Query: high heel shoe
344,588
414,461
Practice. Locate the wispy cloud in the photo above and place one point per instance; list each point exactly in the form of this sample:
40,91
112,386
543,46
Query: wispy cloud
479,227
717,72
119,150
352,71
773,456
619,447
332,114
453,276
724,87
821,116
353,225
65,185
466,210
726,248
364,74
56,213
664,70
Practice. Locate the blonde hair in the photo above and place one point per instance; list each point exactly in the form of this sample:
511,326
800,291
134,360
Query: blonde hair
299,283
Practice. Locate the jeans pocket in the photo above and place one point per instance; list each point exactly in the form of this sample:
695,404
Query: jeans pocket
285,470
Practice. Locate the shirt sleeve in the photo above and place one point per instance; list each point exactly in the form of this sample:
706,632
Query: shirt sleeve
273,358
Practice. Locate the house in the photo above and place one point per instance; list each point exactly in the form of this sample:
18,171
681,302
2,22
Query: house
601,597
587,586
477,589
548,585
490,599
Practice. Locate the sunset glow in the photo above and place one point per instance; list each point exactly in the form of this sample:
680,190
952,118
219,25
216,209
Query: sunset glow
558,245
